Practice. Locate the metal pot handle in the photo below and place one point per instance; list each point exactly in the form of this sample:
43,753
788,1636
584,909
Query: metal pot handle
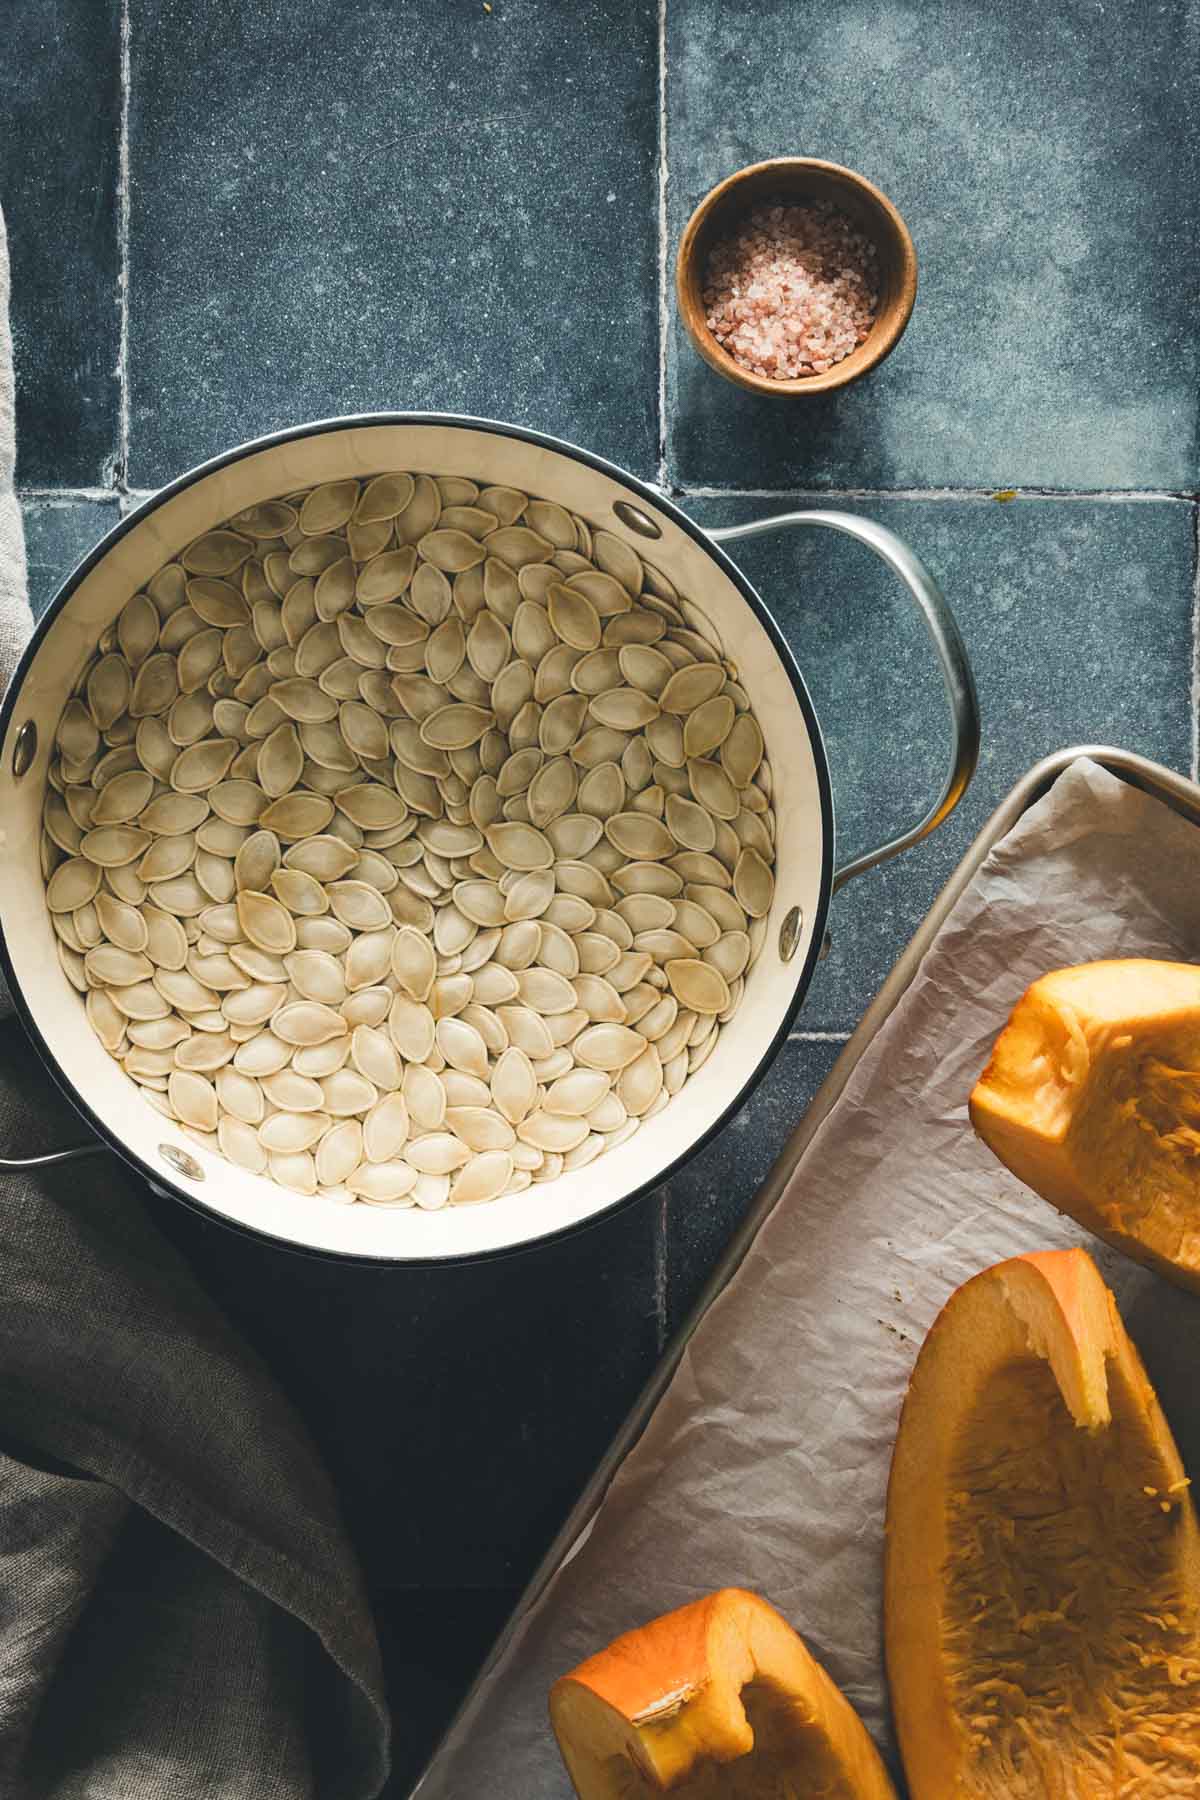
947,641
10,1165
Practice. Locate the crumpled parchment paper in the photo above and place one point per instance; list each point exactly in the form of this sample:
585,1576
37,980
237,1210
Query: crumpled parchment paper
766,1462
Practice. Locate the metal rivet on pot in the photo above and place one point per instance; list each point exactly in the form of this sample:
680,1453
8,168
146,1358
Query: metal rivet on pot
181,1162
25,749
789,934
636,520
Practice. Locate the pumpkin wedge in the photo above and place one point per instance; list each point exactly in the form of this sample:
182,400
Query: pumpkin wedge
717,1701
1042,1570
1092,1098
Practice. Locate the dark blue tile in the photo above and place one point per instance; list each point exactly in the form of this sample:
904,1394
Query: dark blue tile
349,206
58,535
433,1642
60,102
1045,159
459,1410
707,1200
1077,617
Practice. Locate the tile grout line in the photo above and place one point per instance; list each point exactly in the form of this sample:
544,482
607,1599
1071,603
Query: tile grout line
1195,647
1105,496
64,495
36,498
664,313
661,1293
121,460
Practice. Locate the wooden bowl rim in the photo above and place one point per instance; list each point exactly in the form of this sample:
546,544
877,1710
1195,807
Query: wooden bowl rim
895,243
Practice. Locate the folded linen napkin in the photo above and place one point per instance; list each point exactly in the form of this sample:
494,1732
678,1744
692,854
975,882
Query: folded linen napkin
181,1614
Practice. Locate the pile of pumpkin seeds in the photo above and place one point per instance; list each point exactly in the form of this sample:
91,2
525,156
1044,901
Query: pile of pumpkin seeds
409,841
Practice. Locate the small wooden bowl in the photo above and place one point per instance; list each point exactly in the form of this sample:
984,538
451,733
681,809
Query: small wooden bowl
793,178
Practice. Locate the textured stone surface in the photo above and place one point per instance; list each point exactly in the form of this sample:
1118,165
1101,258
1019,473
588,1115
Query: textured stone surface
707,1201
1045,161
58,535
461,1408
352,207
1077,620
60,103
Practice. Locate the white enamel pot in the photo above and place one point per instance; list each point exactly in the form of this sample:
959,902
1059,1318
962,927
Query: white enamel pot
807,872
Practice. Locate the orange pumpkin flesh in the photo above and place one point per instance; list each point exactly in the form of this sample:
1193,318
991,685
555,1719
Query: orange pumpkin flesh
717,1701
1092,1098
1042,1570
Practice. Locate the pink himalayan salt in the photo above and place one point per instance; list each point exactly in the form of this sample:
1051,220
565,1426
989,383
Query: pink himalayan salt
792,291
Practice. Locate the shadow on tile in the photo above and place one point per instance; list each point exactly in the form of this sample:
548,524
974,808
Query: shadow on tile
707,1200
459,1409
433,1642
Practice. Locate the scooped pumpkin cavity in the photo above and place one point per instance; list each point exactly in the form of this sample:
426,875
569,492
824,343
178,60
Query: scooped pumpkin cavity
1042,1589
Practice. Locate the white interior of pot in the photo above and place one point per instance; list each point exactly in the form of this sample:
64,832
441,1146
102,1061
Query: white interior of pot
57,1009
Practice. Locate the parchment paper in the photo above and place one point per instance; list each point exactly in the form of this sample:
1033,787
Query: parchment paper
766,1462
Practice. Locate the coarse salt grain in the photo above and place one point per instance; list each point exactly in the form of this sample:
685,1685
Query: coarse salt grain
793,291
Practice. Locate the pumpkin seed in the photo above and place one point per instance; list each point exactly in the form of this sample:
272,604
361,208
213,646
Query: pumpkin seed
713,789
123,798
383,498
327,508
552,1131
573,618
577,1093
137,629
193,1099
742,750
753,884
297,815
698,985
451,550
122,924
112,845
605,593
455,726
518,846
266,922
484,1177
517,545
462,1046
639,836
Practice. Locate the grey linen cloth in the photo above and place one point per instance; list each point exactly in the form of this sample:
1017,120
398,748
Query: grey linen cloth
16,620
181,1614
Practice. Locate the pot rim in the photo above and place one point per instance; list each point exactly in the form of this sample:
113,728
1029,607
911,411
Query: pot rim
161,1183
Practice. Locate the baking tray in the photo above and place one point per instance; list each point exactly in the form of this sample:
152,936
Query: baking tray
1175,791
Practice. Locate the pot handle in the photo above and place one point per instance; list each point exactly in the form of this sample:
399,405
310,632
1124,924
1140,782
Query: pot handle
11,1165
947,641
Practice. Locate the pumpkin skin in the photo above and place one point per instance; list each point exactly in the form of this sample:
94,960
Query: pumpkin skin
1042,1567
719,1700
1092,1098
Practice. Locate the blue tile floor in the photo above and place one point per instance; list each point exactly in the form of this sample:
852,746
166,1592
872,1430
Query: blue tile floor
260,215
